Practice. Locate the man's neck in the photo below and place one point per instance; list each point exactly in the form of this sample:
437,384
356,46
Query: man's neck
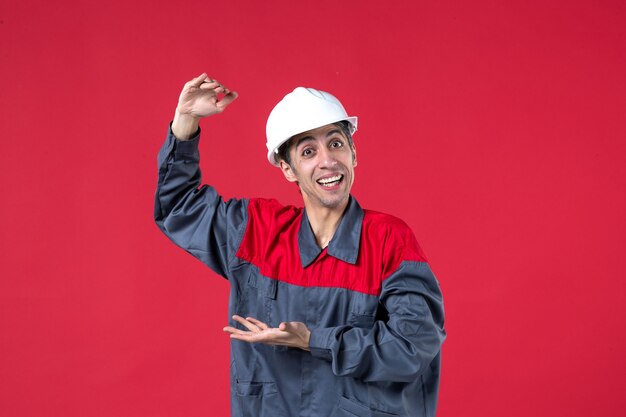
324,221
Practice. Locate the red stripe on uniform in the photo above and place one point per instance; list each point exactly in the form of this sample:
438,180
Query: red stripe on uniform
271,243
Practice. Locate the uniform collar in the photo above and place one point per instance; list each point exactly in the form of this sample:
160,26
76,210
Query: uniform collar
345,243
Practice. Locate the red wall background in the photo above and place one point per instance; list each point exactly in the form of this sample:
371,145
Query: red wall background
495,129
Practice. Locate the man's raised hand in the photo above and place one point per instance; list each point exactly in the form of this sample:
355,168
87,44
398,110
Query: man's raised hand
200,97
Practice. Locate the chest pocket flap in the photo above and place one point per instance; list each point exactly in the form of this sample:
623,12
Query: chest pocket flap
265,287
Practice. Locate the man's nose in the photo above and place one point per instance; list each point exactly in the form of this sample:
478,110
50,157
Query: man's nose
326,158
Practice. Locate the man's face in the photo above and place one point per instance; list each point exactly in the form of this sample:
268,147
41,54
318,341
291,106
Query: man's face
322,163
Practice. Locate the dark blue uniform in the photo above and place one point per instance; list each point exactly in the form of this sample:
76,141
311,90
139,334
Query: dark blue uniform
372,304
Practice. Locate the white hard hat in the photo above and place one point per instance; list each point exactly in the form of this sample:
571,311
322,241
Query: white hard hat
301,110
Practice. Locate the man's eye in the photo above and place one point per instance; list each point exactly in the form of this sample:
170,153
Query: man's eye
336,144
307,152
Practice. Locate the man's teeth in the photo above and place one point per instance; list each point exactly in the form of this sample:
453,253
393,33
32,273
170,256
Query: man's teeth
326,181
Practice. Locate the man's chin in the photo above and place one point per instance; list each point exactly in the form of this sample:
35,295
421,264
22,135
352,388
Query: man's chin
334,202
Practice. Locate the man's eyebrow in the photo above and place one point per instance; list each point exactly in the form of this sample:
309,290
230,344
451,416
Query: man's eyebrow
304,139
308,138
333,132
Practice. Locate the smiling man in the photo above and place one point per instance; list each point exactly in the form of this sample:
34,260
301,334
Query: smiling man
334,309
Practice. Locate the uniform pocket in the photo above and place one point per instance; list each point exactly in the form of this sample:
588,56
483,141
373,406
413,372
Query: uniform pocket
256,389
351,408
265,287
257,399
257,295
362,319
363,310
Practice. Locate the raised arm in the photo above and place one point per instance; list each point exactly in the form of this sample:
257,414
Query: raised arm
192,215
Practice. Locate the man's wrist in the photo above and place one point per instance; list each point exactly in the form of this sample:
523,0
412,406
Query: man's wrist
185,126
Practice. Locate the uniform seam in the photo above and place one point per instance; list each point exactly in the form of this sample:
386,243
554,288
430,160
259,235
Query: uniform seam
418,264
241,233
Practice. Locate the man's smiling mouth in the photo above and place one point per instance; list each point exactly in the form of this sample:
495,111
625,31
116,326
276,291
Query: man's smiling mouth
330,181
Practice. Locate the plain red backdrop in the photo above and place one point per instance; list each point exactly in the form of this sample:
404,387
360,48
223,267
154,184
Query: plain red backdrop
495,129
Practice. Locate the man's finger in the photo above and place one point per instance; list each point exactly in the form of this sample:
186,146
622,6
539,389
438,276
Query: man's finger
198,80
248,325
289,327
258,323
239,334
225,89
233,330
209,85
246,336
226,100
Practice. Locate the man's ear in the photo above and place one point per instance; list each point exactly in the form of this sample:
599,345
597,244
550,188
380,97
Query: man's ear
353,156
287,171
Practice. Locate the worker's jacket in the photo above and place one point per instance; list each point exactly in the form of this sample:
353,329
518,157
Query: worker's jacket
369,298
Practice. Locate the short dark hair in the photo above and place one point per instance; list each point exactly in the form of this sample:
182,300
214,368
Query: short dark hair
283,150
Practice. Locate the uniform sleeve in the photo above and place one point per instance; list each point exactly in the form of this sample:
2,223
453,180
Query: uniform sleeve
194,216
398,348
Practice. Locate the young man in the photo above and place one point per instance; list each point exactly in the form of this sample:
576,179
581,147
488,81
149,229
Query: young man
335,311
